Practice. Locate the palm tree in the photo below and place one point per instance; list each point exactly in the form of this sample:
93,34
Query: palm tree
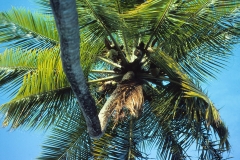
144,62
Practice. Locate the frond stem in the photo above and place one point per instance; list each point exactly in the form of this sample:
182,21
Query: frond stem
130,138
110,62
108,32
103,71
116,77
27,30
158,24
123,31
18,68
147,76
52,92
91,22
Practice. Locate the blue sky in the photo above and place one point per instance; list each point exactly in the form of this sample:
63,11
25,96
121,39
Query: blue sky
224,92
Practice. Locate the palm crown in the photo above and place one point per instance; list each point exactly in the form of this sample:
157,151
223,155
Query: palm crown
144,62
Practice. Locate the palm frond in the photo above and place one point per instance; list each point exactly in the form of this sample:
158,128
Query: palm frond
126,99
107,18
188,25
125,141
44,6
181,91
14,64
190,42
207,21
38,111
26,108
198,66
191,91
182,121
43,81
162,133
48,76
204,25
103,71
222,131
125,6
29,30
207,146
169,144
69,138
89,54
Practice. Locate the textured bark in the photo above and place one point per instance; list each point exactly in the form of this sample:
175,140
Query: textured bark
66,18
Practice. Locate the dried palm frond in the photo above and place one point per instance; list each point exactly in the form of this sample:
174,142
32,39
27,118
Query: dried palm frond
127,98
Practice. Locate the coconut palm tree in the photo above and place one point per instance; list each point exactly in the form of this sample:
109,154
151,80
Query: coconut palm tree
143,63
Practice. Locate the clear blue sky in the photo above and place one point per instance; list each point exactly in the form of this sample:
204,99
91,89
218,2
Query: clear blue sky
224,92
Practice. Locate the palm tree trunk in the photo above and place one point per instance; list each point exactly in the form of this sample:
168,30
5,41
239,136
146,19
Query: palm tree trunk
66,18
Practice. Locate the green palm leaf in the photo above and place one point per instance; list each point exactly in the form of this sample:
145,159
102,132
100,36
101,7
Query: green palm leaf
38,76
189,89
26,108
185,41
44,6
197,105
98,21
69,139
180,120
14,64
126,140
29,30
175,20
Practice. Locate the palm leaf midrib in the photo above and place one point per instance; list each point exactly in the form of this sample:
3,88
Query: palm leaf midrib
160,21
23,68
207,28
32,28
188,87
42,94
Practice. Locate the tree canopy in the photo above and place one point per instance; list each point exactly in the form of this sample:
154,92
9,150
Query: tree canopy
144,62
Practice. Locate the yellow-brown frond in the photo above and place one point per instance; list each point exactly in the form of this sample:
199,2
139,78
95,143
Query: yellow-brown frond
128,100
